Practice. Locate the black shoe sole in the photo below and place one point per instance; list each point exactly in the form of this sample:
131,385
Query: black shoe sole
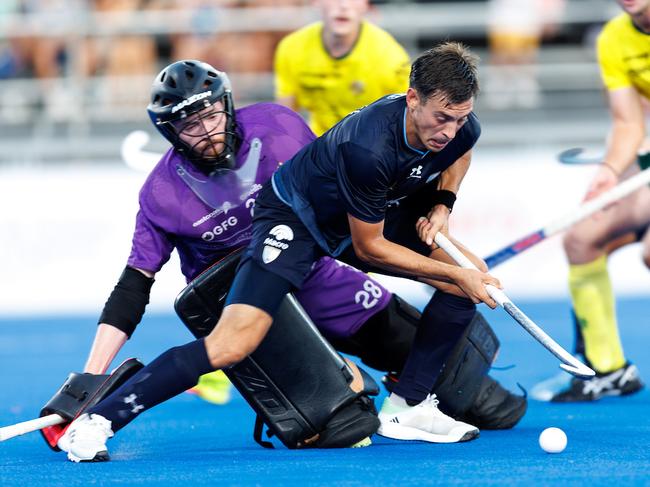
101,456
469,436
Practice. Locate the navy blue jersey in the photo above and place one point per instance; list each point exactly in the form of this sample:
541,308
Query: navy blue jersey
358,167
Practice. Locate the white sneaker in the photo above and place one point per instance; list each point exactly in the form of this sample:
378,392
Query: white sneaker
421,422
85,439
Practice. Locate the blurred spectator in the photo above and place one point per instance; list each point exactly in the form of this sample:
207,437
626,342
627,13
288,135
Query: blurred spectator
42,55
234,52
515,32
10,59
120,56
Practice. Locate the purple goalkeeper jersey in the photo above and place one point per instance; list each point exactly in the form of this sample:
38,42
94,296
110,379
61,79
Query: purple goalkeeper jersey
173,215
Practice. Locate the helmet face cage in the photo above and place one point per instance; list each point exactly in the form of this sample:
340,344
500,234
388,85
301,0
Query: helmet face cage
181,98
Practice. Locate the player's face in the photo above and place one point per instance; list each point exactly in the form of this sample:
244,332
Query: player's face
634,7
432,123
342,17
204,131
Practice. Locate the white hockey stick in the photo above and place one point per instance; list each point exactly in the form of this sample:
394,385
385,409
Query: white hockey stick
569,362
134,155
583,211
29,426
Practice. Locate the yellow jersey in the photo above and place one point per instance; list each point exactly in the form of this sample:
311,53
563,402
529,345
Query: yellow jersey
329,88
624,55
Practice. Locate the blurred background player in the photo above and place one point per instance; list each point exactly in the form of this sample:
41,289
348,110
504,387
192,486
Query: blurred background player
625,69
333,67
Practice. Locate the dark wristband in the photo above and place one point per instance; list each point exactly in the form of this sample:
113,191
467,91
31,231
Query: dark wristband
444,197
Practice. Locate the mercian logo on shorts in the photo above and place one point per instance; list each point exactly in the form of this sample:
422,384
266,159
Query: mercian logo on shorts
274,244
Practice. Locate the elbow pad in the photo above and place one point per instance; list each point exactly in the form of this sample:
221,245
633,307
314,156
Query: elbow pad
126,304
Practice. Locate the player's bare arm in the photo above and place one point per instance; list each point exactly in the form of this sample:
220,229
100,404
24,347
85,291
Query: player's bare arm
108,342
371,246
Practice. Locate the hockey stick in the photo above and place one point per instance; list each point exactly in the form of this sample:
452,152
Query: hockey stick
134,155
572,156
29,426
616,193
569,362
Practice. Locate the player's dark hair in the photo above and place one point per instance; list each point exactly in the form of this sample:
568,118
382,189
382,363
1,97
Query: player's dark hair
448,69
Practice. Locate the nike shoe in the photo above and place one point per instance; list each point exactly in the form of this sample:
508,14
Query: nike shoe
423,422
85,439
213,387
620,382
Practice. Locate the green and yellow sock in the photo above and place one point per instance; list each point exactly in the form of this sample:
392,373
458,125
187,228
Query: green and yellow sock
593,302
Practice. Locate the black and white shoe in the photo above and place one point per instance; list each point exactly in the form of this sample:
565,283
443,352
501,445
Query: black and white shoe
620,382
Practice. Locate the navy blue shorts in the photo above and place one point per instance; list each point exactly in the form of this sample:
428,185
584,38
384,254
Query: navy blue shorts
278,258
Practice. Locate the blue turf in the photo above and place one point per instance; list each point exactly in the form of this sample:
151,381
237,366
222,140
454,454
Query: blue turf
187,441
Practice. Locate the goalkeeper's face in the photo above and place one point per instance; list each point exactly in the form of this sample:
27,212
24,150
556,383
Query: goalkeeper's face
204,131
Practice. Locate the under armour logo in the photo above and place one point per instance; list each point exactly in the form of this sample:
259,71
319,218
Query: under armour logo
416,172
136,408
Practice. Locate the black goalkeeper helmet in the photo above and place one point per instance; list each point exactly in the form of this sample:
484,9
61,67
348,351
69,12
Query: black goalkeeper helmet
189,102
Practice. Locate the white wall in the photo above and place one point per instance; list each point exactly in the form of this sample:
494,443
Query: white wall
65,233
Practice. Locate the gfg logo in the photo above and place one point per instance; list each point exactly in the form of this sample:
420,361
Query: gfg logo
209,236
